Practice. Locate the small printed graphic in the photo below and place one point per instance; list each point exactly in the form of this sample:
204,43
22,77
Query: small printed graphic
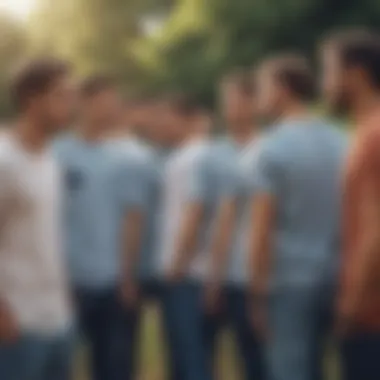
74,179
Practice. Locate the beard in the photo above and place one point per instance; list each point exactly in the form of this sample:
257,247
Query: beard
339,106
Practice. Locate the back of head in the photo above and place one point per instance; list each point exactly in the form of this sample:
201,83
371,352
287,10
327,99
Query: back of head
35,78
293,72
286,84
358,48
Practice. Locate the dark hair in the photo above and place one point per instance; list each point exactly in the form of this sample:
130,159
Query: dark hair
95,84
293,71
358,48
186,105
241,78
36,78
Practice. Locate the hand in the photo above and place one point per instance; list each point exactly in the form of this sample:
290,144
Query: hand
347,310
130,293
212,298
259,315
9,330
175,274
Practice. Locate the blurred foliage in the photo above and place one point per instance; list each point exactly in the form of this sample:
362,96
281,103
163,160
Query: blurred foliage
179,44
13,45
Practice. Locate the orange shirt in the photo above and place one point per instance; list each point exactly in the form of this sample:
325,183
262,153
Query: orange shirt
363,170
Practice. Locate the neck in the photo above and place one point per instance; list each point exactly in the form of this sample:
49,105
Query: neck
364,105
241,136
294,110
91,132
31,134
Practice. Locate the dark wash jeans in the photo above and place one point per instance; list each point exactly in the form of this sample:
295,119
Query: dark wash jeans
109,329
360,356
300,320
35,357
182,312
234,314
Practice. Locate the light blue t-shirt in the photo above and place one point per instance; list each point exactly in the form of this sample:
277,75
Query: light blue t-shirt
101,185
152,160
301,164
238,261
214,178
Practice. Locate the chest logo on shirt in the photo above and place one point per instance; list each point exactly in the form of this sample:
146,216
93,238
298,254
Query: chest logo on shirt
74,179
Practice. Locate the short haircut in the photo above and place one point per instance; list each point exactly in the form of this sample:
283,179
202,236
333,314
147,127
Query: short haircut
36,78
186,105
358,48
294,72
95,84
242,79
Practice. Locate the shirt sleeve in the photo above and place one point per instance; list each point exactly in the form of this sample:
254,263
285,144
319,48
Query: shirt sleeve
201,184
267,173
132,184
229,179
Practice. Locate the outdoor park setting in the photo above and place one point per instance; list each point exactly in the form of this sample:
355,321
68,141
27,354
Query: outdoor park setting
153,46
150,45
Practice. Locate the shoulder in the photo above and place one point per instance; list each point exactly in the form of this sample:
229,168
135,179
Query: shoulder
6,150
366,144
274,142
9,156
63,145
336,132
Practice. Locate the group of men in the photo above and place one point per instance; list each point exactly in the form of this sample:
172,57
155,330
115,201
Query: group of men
273,232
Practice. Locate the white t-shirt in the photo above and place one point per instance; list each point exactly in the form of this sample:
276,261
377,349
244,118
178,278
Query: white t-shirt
32,278
177,177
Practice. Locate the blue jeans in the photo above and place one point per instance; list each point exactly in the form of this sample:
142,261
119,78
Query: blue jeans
360,354
299,322
109,329
182,317
234,314
35,357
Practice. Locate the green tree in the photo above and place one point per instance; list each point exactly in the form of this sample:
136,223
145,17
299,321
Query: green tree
203,38
13,44
95,34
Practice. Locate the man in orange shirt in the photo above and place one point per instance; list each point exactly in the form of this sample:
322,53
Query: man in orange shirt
351,82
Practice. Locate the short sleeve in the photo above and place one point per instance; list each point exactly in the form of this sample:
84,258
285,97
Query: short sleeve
267,171
200,188
132,183
229,179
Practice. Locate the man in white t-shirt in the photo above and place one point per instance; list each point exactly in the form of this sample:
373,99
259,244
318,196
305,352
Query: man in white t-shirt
35,315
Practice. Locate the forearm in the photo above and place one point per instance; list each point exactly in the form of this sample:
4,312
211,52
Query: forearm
188,239
260,264
261,243
367,260
221,244
132,244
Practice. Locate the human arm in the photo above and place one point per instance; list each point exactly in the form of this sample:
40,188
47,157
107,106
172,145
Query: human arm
135,182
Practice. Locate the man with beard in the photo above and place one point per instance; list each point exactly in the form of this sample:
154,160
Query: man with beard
351,79
295,227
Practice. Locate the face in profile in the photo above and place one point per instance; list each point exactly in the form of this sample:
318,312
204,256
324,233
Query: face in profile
169,125
269,93
237,106
335,82
57,105
104,108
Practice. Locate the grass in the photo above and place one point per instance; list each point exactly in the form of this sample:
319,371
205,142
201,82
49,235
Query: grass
152,357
